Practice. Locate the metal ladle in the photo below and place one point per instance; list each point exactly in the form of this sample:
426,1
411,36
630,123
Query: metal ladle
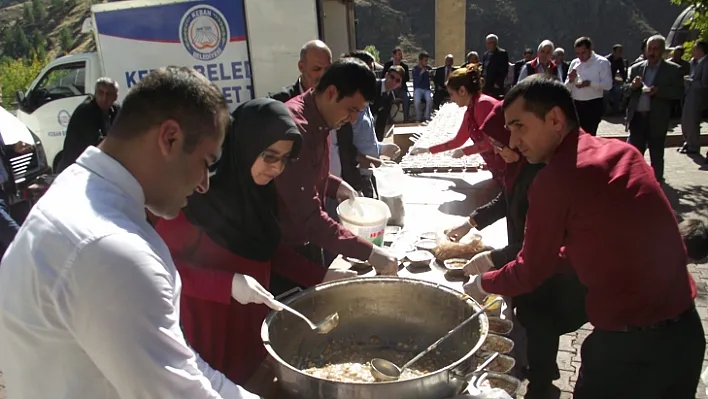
328,324
384,370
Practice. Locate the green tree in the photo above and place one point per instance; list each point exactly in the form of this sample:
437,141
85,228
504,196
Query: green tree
17,74
58,5
39,10
66,42
373,51
27,13
699,21
18,46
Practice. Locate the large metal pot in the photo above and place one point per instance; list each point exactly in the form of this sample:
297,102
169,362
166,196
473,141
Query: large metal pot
393,310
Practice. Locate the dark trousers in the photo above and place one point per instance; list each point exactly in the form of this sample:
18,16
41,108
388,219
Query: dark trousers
8,226
369,189
660,363
439,97
643,136
402,93
555,308
590,114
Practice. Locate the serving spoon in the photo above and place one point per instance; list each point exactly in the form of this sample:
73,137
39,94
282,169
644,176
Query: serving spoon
328,324
384,370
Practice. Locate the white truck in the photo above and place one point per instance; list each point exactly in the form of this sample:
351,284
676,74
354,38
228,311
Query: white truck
247,47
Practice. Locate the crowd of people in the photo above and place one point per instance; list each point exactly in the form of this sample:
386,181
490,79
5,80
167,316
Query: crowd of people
147,268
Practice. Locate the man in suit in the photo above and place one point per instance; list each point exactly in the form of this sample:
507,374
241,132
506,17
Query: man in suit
696,101
561,63
653,85
315,57
90,122
495,67
613,97
519,65
402,91
439,79
383,102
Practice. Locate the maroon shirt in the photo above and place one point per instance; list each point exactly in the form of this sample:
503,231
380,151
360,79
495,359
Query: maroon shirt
600,199
304,184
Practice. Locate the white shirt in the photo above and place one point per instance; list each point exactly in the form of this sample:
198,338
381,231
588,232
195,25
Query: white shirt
89,298
598,70
335,164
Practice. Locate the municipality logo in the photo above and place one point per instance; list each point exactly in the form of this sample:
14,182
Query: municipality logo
204,32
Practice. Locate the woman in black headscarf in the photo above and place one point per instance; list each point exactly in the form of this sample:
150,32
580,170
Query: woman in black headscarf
233,229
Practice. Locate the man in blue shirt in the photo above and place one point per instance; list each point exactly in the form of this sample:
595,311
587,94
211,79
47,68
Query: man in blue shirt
421,87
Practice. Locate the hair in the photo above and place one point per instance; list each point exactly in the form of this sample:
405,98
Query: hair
312,44
396,49
541,93
492,36
703,45
106,81
583,41
616,47
398,69
644,45
469,77
558,50
546,43
472,53
173,93
657,38
362,55
528,50
422,55
695,237
349,75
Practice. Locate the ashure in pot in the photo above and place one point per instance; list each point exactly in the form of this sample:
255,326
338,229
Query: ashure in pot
389,317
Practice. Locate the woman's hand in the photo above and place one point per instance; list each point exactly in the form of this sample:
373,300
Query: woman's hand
480,263
458,153
246,289
420,150
456,233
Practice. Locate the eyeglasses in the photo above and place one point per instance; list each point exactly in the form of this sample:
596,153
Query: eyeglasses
394,78
271,159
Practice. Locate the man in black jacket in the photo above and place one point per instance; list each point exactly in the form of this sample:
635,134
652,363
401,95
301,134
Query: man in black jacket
495,68
383,103
90,122
315,57
8,225
402,91
440,79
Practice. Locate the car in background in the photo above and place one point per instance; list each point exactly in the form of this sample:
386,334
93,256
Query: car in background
27,168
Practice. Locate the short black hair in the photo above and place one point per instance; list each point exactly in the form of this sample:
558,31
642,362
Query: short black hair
396,49
695,237
703,45
541,93
422,55
349,75
644,44
583,41
178,93
363,55
616,47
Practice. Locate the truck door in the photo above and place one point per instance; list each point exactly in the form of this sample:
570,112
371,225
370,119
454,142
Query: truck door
337,20
48,105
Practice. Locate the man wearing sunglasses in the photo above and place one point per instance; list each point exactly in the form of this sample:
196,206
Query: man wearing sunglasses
383,101
598,198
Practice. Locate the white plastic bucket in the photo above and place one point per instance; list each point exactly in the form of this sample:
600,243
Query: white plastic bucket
365,217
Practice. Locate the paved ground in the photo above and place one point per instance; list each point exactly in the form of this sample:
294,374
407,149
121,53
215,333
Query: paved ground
687,188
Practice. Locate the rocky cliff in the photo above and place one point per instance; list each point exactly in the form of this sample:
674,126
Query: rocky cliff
518,23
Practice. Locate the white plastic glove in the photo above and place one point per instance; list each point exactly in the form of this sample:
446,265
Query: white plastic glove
420,150
458,153
389,150
473,288
480,263
338,274
384,263
345,192
245,290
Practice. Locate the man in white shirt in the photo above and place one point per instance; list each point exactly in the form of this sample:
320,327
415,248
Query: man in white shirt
588,77
89,295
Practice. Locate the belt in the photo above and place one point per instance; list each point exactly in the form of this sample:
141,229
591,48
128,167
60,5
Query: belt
642,113
664,323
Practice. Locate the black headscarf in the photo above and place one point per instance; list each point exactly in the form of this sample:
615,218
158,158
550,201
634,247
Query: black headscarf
236,213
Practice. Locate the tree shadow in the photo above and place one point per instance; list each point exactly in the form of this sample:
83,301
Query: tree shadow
688,201
476,195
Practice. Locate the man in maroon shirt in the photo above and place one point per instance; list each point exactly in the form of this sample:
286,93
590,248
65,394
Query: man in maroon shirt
344,90
599,199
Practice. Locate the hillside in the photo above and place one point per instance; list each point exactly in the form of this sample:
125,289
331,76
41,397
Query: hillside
387,23
518,23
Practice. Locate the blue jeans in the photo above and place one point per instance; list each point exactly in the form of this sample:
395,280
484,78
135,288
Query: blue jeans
8,226
418,96
613,97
